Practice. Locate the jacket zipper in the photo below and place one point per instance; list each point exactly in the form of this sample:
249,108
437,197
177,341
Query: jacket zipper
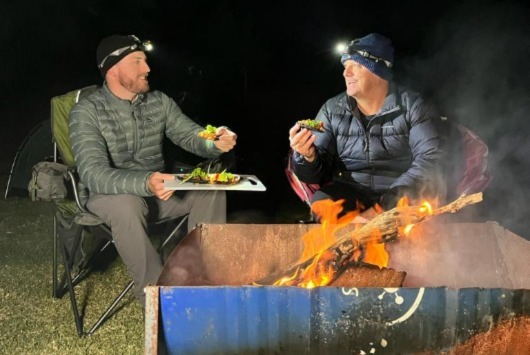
366,144
367,154
135,132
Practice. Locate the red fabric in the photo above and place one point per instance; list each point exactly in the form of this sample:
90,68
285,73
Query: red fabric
475,176
303,190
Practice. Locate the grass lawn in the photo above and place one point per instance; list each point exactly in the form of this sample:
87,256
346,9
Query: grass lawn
31,320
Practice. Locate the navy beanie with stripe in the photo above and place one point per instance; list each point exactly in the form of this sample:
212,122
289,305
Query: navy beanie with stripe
376,45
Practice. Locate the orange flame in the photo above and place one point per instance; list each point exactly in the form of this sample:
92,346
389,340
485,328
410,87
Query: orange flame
317,240
425,209
322,237
403,202
375,252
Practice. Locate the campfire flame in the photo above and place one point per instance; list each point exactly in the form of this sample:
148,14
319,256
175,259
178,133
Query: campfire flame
322,237
424,209
317,240
375,252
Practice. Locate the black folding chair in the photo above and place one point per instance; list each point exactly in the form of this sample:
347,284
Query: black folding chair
69,246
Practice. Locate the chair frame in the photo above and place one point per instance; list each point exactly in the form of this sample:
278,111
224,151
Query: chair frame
303,190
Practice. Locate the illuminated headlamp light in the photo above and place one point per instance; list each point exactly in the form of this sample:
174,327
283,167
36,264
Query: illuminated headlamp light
351,49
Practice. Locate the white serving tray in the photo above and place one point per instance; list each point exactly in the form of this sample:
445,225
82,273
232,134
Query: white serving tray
246,183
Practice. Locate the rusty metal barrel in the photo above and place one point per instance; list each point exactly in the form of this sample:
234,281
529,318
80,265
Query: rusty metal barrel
467,290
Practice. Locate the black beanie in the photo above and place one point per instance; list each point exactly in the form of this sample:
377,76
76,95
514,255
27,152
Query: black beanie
114,48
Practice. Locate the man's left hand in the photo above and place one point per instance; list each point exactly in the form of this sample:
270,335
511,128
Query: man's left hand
155,183
226,140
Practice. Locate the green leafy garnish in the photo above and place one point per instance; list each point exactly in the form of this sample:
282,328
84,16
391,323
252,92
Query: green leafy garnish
211,129
197,173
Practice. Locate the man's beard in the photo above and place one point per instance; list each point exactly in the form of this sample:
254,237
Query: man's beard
135,85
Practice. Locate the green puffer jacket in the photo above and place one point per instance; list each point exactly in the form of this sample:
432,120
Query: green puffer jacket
118,144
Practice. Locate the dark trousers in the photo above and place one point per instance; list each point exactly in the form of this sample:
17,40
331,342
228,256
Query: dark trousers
128,216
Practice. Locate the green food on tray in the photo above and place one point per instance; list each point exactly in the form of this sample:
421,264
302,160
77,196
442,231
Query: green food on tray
199,176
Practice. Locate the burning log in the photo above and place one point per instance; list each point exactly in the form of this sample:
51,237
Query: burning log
386,227
367,275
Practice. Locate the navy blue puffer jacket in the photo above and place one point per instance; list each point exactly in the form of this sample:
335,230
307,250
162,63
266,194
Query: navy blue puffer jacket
399,147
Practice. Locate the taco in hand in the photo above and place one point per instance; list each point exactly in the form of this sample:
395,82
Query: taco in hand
209,133
313,125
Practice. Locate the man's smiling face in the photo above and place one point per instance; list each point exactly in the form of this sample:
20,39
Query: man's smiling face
132,72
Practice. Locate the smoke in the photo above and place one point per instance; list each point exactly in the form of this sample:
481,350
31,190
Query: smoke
473,65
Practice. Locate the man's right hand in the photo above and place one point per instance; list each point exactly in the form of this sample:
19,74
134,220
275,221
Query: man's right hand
227,139
302,141
155,184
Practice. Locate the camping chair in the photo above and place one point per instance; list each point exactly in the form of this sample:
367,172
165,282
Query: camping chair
73,274
304,190
467,173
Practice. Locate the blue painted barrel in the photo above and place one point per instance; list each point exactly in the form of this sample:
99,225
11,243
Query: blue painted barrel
462,281
327,320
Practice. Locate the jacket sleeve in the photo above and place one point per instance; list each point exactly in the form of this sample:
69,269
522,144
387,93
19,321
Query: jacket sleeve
183,131
318,171
92,159
427,152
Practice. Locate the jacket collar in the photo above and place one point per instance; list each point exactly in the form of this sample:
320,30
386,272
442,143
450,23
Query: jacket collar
391,103
115,100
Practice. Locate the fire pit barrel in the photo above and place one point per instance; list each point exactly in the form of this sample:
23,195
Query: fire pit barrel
327,320
205,302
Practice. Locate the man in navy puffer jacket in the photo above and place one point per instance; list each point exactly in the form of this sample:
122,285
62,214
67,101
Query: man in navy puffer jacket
379,142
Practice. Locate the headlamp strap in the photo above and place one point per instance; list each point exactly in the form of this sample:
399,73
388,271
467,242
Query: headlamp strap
353,50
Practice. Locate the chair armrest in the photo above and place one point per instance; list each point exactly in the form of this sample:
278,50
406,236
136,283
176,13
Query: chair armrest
72,176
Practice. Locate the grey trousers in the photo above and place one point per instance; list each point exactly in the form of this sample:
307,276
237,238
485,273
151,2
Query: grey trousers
129,215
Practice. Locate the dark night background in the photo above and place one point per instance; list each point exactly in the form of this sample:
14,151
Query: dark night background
258,66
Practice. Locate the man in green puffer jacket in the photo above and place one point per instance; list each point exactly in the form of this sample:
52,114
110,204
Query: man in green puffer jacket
117,134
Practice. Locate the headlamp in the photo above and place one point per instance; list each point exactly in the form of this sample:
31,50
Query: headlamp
145,46
353,49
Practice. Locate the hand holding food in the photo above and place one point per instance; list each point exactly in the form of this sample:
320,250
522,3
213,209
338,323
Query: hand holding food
301,141
226,139
313,125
